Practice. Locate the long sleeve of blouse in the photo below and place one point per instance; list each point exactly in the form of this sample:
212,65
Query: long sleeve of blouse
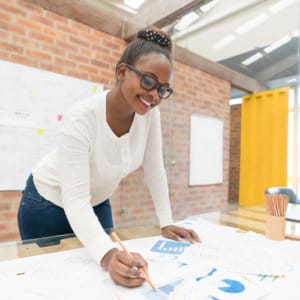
90,161
155,174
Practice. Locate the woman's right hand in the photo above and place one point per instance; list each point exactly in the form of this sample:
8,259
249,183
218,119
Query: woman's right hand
123,269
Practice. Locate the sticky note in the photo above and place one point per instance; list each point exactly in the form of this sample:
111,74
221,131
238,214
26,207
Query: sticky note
95,89
32,92
59,118
40,131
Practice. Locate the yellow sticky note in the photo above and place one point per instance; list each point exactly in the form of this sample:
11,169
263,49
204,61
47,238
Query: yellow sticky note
40,131
95,89
33,92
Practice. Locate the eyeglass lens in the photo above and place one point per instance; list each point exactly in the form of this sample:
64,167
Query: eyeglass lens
150,83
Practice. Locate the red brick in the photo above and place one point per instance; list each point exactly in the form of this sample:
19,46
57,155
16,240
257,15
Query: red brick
89,69
24,60
88,53
56,18
9,236
5,17
55,33
11,48
53,67
110,45
80,26
42,37
67,30
4,55
82,75
11,9
31,8
27,23
78,41
68,47
3,25
38,54
24,41
42,20
65,62
79,58
53,50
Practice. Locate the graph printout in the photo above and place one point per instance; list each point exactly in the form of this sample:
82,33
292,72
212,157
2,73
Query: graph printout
32,105
170,247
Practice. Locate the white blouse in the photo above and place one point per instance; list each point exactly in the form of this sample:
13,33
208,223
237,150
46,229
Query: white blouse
90,161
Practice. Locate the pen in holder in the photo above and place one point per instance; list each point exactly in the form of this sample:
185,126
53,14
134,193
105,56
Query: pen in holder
276,205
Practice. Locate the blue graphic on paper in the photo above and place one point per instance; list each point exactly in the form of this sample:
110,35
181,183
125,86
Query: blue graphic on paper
213,270
233,286
163,291
170,247
182,264
169,288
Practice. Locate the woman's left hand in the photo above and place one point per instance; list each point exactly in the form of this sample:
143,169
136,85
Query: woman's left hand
179,233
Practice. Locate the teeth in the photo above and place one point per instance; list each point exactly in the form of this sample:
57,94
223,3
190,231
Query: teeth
145,102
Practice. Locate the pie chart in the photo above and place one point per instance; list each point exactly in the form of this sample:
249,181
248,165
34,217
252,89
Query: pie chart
231,286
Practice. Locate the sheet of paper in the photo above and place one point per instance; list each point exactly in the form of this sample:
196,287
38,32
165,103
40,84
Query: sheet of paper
32,105
226,265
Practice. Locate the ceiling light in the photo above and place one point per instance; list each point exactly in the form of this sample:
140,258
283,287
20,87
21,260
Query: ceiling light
186,21
278,44
292,80
252,23
295,33
208,6
252,59
280,5
223,42
135,4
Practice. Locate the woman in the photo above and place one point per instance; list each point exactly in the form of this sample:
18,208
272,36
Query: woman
102,140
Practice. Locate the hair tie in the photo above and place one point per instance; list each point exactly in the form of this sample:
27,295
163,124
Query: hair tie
160,39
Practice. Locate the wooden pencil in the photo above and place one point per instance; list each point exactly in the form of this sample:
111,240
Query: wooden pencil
118,240
276,204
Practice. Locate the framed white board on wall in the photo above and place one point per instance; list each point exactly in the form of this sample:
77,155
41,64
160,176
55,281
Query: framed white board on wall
206,150
32,103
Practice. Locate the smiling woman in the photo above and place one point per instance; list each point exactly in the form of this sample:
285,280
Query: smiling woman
102,140
153,69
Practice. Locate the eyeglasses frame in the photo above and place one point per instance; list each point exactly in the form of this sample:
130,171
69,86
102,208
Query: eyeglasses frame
158,84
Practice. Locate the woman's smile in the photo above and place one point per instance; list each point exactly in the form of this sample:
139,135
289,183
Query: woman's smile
145,102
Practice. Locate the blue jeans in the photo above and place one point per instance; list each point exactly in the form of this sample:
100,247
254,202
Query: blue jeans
38,217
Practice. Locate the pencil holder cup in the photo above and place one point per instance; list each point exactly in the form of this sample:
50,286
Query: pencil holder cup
275,227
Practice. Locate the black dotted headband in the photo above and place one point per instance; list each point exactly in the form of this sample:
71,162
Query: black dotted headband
152,35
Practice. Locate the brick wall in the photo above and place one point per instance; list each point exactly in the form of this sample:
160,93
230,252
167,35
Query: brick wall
35,37
234,160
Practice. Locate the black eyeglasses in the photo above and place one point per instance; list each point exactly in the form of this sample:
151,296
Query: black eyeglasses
150,83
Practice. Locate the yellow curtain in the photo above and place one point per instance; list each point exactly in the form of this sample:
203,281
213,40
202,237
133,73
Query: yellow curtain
263,156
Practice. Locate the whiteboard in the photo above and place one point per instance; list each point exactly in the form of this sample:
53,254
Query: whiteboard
206,150
32,103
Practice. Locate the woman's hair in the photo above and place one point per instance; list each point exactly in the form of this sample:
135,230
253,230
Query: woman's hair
148,40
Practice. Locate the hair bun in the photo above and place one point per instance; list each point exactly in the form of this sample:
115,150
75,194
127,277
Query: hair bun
156,37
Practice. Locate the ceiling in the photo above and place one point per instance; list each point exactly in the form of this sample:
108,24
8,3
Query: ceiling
279,19
203,43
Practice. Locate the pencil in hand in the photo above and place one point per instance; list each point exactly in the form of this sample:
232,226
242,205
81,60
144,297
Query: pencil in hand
117,239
